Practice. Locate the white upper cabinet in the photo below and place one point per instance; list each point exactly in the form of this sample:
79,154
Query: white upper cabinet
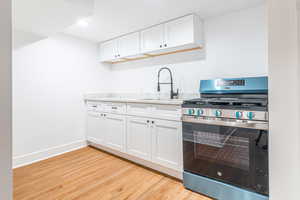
180,32
129,45
152,38
108,50
184,33
125,46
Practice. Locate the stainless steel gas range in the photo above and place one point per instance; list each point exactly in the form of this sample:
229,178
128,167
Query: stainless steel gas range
225,139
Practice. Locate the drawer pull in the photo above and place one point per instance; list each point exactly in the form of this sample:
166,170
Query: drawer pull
114,108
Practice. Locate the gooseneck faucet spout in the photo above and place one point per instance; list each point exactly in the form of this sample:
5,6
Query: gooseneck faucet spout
172,93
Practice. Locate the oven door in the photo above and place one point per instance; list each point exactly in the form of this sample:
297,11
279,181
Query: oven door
221,151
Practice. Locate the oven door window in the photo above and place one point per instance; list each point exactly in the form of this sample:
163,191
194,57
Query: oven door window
224,149
232,155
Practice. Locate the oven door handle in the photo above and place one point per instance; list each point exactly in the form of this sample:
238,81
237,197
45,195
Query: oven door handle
259,125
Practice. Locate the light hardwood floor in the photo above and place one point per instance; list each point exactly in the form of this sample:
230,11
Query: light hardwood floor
92,174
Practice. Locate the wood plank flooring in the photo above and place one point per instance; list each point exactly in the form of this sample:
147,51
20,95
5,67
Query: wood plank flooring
90,174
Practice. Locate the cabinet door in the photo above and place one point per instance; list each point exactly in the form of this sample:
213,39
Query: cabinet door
96,128
108,50
139,137
152,39
167,143
129,45
115,132
180,32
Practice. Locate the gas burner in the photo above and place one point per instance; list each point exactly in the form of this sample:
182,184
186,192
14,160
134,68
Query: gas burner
228,101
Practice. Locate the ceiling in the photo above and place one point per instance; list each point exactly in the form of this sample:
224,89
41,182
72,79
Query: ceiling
112,18
47,17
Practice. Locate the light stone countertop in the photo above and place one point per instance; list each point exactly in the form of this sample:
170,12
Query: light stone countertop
142,98
144,101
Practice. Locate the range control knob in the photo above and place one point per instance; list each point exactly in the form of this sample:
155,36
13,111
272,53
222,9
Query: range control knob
218,113
239,115
250,115
200,112
191,111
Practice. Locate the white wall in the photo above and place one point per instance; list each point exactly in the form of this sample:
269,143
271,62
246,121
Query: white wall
51,76
5,101
49,80
236,46
284,100
22,38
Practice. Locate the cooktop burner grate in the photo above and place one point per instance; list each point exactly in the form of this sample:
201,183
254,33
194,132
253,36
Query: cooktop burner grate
228,101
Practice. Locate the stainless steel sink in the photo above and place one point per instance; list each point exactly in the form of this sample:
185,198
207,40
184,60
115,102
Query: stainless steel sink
160,99
152,99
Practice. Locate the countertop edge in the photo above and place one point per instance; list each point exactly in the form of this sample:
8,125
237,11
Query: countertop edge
159,102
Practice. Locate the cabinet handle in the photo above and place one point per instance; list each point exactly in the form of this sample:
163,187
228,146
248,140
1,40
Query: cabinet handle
148,121
160,46
114,108
119,55
166,45
153,122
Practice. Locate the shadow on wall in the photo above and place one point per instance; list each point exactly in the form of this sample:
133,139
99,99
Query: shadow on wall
162,60
22,39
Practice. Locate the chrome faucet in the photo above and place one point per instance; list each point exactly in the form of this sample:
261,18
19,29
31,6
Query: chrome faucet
172,93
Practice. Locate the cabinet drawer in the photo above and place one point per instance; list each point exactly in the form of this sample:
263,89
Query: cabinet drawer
93,114
139,109
117,108
94,107
167,111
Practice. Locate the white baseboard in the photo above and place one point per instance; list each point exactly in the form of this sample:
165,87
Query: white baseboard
27,159
30,158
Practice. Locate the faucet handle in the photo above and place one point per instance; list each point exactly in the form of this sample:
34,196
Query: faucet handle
176,94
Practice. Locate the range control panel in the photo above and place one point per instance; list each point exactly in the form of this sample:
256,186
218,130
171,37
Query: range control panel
226,113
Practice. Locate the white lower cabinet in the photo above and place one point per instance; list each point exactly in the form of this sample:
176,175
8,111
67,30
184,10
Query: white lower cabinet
159,141
107,129
167,143
96,128
139,137
115,131
140,133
